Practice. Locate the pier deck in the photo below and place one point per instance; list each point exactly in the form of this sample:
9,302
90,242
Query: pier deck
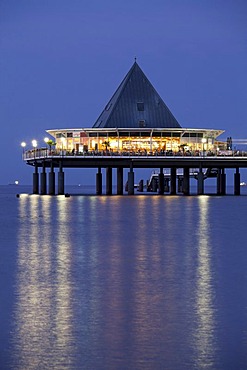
91,160
44,159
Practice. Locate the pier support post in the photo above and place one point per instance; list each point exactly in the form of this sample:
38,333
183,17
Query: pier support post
166,185
60,180
218,181
120,181
36,181
161,182
140,186
186,181
200,182
43,180
99,182
154,185
180,185
131,181
237,182
173,181
51,189
223,182
108,181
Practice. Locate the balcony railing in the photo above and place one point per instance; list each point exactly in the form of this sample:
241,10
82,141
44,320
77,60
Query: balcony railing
43,153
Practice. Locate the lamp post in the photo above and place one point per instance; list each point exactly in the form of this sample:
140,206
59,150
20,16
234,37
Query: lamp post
34,144
204,140
23,144
46,139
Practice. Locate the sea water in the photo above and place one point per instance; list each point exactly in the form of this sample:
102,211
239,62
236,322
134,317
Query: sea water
122,282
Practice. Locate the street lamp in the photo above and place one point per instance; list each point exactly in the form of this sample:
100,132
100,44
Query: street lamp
204,140
34,144
23,144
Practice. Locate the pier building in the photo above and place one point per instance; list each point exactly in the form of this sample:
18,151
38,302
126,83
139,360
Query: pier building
136,119
136,129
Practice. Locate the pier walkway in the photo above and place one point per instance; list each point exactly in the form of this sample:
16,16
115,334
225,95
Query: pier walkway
45,159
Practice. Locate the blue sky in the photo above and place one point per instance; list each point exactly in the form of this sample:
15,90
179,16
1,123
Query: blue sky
61,61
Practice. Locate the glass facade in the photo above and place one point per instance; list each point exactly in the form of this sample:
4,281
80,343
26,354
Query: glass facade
140,141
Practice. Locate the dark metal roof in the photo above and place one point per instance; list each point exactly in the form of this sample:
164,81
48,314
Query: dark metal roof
136,104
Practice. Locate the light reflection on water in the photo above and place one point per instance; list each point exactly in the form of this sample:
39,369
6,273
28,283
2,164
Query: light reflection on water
118,283
205,332
34,292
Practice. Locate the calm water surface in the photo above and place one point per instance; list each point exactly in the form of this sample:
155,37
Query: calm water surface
140,282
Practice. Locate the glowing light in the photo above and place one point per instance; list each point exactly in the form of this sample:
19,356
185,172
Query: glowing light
46,139
23,144
63,142
34,143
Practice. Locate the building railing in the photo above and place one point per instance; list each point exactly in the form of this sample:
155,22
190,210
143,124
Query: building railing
43,153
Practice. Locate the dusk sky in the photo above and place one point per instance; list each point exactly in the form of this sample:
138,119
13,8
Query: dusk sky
61,61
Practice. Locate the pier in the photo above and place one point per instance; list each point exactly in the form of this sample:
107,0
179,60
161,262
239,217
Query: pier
45,164
136,130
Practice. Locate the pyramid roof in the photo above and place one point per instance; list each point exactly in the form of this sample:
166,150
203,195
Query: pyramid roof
136,104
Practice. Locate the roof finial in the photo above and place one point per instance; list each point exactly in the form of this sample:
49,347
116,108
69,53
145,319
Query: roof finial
135,59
